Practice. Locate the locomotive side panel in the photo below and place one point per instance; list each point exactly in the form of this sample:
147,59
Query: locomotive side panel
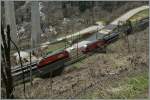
111,37
93,46
53,58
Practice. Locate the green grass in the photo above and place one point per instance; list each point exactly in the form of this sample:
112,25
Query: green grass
56,46
104,20
130,87
142,14
139,16
133,86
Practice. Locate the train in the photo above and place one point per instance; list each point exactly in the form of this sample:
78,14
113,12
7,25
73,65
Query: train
101,43
52,62
91,47
56,60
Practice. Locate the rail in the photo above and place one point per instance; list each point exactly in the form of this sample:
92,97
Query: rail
16,71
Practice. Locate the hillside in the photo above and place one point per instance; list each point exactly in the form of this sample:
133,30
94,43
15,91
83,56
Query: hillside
110,75
118,70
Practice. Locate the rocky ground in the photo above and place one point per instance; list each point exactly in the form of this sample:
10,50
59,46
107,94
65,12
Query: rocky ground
116,74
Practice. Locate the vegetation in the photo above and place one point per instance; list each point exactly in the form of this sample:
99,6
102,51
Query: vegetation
140,15
96,77
130,87
117,73
6,63
56,46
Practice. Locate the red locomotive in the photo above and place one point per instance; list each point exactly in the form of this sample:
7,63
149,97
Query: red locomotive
53,62
93,46
56,60
98,44
53,58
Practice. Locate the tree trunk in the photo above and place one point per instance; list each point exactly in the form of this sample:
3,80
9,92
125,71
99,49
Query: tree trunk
6,68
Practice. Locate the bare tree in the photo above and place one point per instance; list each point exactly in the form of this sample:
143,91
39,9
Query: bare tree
124,31
6,65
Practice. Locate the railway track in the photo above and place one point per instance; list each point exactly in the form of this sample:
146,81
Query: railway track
17,71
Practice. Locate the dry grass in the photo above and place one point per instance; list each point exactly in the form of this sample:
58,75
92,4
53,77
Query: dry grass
99,71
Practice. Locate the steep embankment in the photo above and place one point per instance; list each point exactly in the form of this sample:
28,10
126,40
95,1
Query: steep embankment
116,74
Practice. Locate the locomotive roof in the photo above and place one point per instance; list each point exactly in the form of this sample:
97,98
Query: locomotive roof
54,52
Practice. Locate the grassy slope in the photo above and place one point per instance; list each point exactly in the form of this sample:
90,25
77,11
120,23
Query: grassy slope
130,87
133,84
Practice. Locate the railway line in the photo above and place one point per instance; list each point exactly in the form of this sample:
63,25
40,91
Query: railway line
17,73
97,40
109,28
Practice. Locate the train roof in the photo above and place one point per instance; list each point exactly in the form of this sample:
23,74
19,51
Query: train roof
104,31
54,52
109,28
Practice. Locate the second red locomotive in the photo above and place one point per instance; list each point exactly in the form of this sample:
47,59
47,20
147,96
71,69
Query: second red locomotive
93,46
